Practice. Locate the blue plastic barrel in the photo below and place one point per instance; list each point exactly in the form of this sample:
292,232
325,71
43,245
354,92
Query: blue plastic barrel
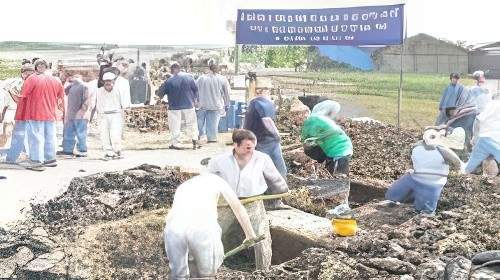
240,114
222,125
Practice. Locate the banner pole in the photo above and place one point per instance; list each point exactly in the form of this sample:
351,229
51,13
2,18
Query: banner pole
236,59
400,90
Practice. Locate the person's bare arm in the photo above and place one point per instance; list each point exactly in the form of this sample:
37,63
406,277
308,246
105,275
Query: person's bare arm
239,211
450,157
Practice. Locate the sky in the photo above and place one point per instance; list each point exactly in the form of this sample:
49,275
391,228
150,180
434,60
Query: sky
195,22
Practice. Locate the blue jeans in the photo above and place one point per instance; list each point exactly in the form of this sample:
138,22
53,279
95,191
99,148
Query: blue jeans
407,189
18,143
273,150
483,149
208,120
42,140
72,129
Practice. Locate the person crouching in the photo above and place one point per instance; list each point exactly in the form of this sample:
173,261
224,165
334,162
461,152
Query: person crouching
110,109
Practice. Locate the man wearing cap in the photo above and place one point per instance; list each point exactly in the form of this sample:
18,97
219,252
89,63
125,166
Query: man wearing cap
486,141
43,95
479,95
423,184
450,98
19,139
214,98
259,119
109,106
182,95
77,116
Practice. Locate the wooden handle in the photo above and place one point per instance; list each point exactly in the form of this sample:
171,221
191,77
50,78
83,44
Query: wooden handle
257,198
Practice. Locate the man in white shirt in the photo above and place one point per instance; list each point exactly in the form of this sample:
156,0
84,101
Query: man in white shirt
192,234
110,113
248,172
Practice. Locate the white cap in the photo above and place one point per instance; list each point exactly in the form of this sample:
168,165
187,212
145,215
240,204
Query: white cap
108,76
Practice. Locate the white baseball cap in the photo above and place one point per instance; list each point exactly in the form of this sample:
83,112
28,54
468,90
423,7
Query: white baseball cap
108,76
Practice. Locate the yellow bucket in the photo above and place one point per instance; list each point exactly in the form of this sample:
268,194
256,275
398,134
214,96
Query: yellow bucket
344,227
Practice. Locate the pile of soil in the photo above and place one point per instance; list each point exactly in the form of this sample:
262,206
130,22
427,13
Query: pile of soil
110,196
147,119
381,151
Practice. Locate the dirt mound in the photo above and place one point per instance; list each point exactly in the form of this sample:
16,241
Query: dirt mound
147,119
110,196
380,151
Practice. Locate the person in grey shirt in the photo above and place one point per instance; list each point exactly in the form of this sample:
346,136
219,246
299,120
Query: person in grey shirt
76,117
213,93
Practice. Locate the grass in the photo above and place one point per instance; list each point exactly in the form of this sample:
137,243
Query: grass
377,93
415,113
8,69
415,85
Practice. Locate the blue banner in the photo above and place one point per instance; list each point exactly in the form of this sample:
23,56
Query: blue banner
355,26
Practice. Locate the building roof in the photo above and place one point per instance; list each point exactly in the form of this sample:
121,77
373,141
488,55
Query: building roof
491,46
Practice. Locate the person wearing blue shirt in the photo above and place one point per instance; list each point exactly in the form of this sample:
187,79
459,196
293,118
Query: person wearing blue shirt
259,119
182,95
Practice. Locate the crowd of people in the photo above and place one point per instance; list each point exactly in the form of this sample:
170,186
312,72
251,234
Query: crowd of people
40,101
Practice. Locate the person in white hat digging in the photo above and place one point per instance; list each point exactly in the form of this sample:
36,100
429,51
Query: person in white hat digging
110,109
192,234
423,184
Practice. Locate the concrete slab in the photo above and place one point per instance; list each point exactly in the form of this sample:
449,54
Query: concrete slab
293,231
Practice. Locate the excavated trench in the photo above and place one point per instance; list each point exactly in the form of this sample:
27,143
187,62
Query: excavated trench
109,226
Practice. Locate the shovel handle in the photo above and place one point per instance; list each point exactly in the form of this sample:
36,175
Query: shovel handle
258,197
245,245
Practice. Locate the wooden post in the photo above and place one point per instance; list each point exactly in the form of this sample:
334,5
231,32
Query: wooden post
400,90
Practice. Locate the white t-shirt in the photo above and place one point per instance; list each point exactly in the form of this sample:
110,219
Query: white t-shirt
108,101
429,161
195,203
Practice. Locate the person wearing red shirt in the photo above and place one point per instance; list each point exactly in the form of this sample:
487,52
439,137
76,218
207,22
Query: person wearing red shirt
43,94
17,144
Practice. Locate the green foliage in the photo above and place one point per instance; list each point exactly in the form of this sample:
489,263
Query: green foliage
276,57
